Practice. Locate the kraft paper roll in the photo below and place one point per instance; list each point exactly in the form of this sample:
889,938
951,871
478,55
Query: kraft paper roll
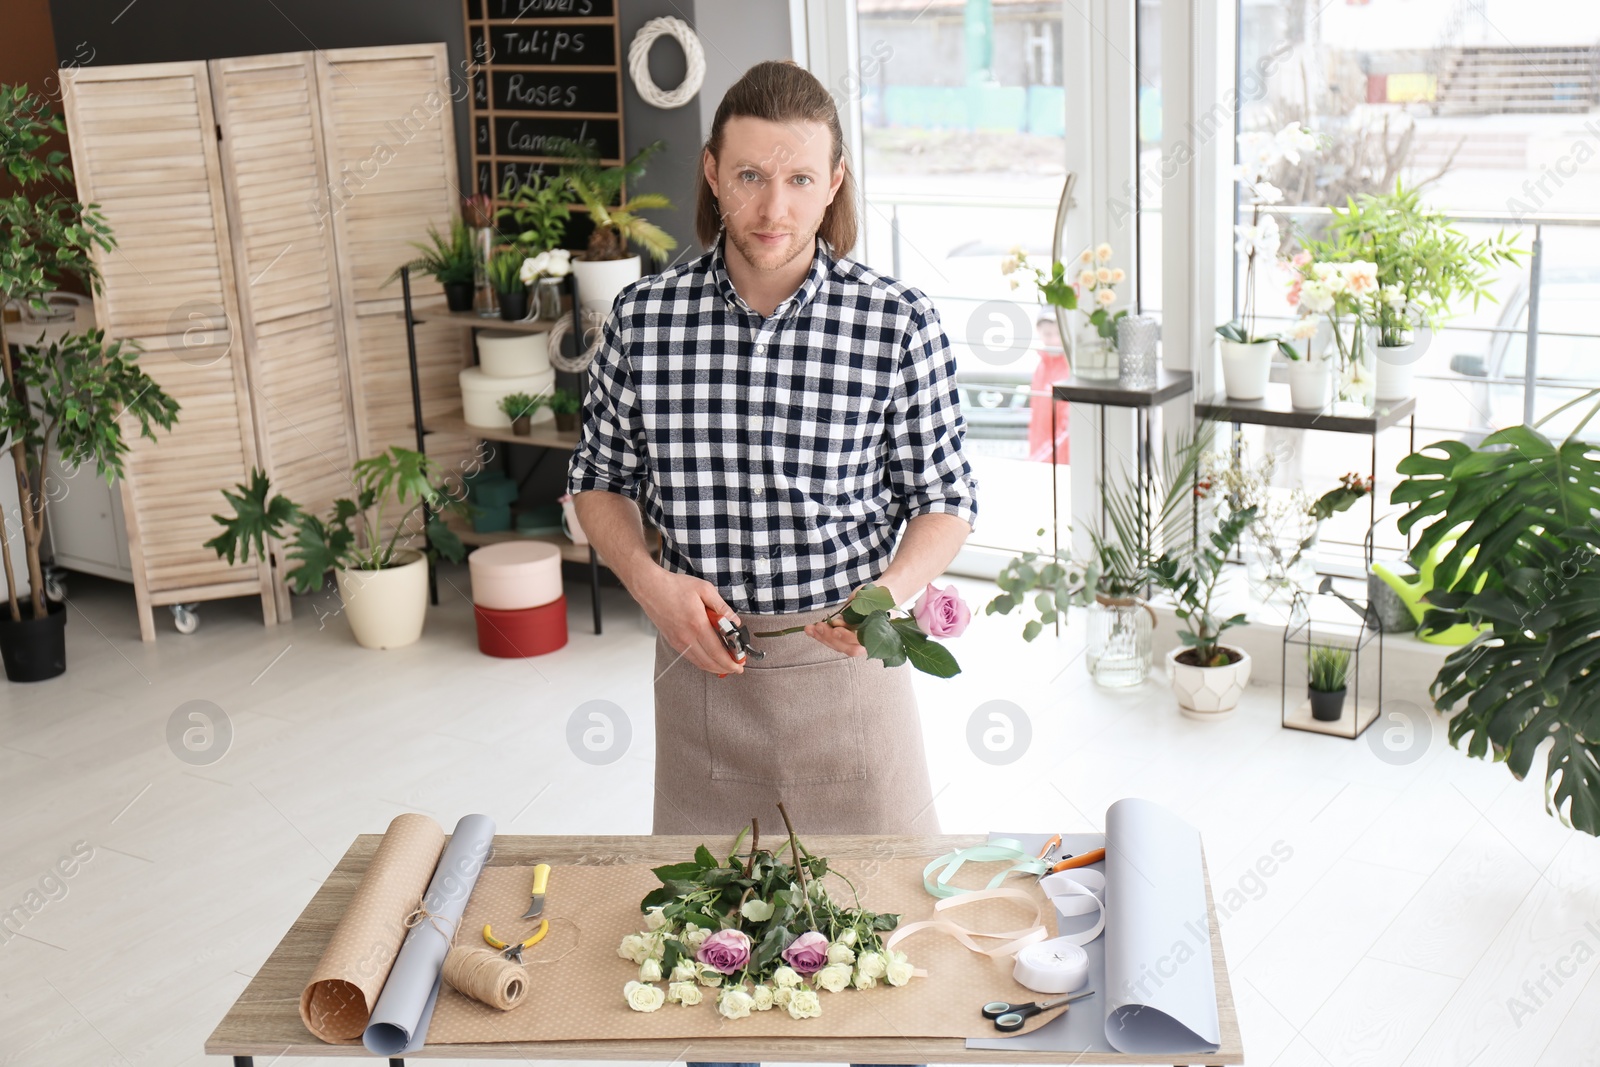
1059,965
399,1022
338,999
486,976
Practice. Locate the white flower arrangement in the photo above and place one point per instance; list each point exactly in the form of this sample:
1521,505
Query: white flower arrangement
555,263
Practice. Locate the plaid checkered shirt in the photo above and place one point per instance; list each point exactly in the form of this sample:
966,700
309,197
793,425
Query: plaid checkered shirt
780,457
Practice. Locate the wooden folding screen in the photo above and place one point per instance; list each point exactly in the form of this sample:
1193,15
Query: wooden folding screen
144,147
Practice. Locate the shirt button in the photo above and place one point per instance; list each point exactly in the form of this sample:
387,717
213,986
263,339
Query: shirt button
759,490
760,349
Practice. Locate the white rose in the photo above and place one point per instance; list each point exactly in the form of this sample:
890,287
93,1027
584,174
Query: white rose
757,911
1086,257
685,971
1008,265
1117,275
1103,275
709,975
872,964
782,995
1086,278
805,1004
848,937
635,947
643,997
734,1003
1105,297
656,944
839,952
654,919
695,936
899,972
761,998
786,977
1103,253
834,977
686,993
863,981
650,971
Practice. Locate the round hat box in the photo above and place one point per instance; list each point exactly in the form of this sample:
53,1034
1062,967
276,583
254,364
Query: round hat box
513,354
515,575
481,396
519,634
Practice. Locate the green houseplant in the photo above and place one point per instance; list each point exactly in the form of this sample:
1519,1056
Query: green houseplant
1327,668
505,276
537,211
565,406
1521,511
71,395
383,584
451,261
608,264
1208,677
520,408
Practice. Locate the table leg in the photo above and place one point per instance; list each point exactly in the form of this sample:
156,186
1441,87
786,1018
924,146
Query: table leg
594,587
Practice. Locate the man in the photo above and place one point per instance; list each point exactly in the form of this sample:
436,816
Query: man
781,414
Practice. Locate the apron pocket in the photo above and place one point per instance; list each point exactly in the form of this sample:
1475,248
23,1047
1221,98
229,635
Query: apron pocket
783,726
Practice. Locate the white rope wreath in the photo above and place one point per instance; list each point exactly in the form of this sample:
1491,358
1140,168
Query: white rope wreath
592,327
639,62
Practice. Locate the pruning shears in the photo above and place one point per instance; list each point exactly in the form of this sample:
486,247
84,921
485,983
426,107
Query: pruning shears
735,638
513,950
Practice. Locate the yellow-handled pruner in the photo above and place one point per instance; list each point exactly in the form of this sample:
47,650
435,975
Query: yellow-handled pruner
514,951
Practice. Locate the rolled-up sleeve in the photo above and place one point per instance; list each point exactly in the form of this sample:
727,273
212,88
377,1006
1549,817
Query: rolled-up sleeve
927,467
608,456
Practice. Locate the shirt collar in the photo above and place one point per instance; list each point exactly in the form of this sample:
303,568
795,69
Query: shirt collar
821,265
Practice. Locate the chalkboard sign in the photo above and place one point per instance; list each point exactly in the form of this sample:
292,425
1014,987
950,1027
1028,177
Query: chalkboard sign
540,70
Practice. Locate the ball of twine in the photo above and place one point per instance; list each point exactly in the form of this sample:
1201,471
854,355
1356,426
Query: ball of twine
486,976
694,58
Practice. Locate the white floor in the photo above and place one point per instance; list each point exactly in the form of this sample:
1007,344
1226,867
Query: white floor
1420,910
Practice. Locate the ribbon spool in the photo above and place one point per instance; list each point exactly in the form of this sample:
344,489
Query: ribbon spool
1055,966
486,976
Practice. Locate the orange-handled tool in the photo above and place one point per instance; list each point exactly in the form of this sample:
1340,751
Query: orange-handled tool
736,639
1079,861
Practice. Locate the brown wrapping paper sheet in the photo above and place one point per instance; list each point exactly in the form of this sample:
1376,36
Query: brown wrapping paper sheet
576,976
347,980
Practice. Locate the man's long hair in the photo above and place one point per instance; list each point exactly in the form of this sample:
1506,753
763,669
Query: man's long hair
782,91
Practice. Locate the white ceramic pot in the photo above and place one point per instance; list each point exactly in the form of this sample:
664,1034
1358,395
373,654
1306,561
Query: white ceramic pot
1310,383
481,396
1246,368
510,354
1394,377
386,608
1208,692
600,280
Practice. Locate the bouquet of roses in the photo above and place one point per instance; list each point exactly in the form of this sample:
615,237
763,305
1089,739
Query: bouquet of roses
756,933
897,639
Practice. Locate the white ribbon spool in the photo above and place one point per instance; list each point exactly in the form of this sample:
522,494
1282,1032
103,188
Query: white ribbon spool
694,59
1077,892
1055,966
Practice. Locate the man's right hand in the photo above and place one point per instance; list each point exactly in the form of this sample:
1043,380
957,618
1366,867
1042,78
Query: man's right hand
676,604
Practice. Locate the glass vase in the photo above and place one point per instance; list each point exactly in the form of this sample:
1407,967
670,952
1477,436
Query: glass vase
1119,650
483,241
1279,562
547,299
1094,357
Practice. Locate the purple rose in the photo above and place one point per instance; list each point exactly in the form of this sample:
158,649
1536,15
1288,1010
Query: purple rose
942,612
725,951
807,953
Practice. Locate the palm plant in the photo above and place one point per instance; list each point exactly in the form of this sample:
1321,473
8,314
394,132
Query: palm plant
616,218
1522,510
1143,516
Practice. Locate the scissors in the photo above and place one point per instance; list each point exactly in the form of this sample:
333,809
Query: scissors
1009,1017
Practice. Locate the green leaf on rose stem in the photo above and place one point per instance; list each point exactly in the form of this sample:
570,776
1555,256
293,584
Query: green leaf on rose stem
881,640
885,922
929,656
676,871
656,898
703,856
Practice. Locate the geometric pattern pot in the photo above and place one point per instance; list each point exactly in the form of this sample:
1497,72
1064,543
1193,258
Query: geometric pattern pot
1208,692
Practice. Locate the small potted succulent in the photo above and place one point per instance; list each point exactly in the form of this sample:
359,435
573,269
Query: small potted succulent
1208,677
505,276
1327,668
565,406
520,409
451,261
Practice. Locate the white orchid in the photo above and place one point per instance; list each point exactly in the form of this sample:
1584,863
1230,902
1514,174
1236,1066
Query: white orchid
1267,193
1294,139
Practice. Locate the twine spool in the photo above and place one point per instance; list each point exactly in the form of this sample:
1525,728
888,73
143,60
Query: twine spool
486,976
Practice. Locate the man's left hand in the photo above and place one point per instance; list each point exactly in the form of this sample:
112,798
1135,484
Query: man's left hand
837,636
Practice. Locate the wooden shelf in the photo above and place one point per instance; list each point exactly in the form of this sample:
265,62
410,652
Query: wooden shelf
435,311
1299,718
573,553
543,434
1112,393
1275,410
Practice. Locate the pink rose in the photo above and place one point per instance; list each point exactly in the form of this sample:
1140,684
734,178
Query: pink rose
725,951
807,953
942,612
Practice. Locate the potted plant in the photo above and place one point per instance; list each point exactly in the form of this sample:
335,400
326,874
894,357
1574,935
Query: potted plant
1519,509
607,267
537,211
1310,379
505,276
1094,350
1246,349
1327,667
520,408
1423,266
565,406
383,584
1208,677
73,396
544,272
451,261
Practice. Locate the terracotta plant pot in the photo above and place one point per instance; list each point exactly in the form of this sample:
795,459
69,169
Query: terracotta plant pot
34,650
1208,692
566,421
1326,706
458,296
1246,368
522,425
386,608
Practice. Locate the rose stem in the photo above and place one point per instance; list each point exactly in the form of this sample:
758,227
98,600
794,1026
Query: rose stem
799,871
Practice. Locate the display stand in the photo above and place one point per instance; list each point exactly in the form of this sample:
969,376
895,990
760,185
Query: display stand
1321,620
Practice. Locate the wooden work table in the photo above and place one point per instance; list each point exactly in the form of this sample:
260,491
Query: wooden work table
265,1020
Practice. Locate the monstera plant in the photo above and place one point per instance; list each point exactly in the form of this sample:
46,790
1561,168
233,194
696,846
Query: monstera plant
1523,512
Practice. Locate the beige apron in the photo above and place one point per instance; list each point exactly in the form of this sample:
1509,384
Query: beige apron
835,737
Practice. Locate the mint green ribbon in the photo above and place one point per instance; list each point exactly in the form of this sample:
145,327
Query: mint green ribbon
1000,850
